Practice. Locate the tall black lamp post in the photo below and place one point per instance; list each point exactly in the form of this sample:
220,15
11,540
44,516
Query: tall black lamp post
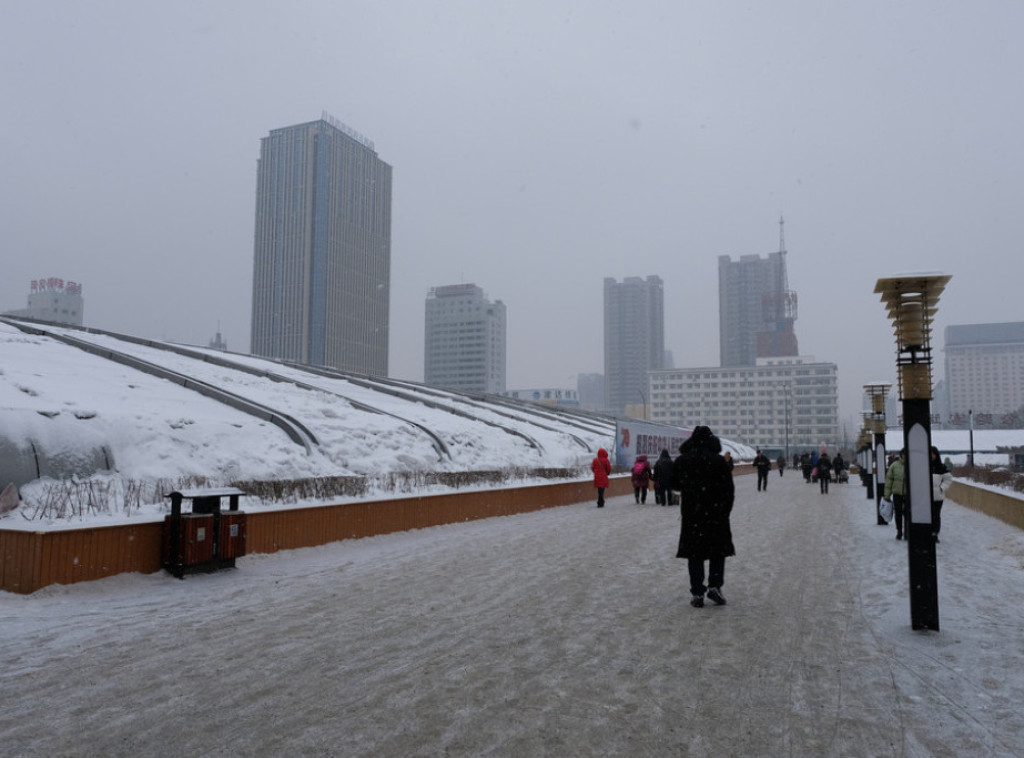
878,392
911,300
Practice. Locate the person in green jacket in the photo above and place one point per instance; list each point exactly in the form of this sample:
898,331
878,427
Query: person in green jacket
896,490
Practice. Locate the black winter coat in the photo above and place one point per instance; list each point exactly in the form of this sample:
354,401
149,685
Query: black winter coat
705,482
663,471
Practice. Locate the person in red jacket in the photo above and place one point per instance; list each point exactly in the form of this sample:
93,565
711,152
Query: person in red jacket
601,467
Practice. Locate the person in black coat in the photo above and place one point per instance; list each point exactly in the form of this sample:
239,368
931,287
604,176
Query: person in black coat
763,465
663,478
824,471
707,491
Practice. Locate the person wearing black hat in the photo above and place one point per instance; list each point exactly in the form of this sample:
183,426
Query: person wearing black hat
707,491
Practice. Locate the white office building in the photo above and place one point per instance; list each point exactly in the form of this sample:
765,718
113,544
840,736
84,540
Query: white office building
984,372
787,404
54,300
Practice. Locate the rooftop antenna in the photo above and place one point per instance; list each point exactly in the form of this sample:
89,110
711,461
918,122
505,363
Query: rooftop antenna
783,301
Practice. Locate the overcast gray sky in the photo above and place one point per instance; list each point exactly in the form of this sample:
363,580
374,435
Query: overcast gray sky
538,146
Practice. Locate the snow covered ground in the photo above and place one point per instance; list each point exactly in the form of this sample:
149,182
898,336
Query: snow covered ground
564,632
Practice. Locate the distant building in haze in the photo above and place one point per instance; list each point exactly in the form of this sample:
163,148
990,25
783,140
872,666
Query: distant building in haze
985,373
547,396
54,300
590,389
634,338
218,342
322,260
464,340
780,404
756,309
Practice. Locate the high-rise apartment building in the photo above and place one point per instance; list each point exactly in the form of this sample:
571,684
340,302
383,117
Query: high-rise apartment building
756,309
322,261
634,338
464,340
984,371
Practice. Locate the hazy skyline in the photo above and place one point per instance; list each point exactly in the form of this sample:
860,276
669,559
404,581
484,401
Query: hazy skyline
537,149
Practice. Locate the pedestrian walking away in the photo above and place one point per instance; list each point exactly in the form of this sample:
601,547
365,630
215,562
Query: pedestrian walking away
763,465
806,466
824,471
641,478
781,463
838,468
662,478
706,491
601,467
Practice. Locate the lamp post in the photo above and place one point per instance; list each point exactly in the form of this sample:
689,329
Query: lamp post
878,392
970,434
911,301
785,387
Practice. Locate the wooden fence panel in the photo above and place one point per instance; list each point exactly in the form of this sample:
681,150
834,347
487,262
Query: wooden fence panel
32,560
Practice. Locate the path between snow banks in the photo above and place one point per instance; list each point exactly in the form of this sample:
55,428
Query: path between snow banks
565,632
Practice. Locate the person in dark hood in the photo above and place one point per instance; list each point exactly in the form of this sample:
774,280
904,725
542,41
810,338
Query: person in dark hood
601,467
663,478
707,491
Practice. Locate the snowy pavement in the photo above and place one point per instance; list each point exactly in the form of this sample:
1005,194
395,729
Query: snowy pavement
565,632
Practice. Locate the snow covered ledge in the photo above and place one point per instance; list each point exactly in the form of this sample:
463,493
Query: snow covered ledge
992,501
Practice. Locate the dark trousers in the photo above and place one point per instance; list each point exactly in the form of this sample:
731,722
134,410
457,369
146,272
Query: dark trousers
824,478
641,494
661,495
600,497
716,574
936,516
762,478
899,513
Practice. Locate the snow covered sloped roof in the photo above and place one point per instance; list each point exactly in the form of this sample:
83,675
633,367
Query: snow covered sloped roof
78,397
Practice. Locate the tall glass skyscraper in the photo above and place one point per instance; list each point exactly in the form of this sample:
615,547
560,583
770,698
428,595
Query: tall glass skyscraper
322,260
634,338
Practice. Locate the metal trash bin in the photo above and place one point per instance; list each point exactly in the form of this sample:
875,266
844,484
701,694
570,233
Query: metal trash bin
206,539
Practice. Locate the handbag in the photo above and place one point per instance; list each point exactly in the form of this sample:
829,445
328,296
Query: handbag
885,510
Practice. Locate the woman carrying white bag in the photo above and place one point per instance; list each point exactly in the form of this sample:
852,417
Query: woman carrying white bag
885,510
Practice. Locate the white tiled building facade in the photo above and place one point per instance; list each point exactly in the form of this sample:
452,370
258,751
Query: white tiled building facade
780,403
984,371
